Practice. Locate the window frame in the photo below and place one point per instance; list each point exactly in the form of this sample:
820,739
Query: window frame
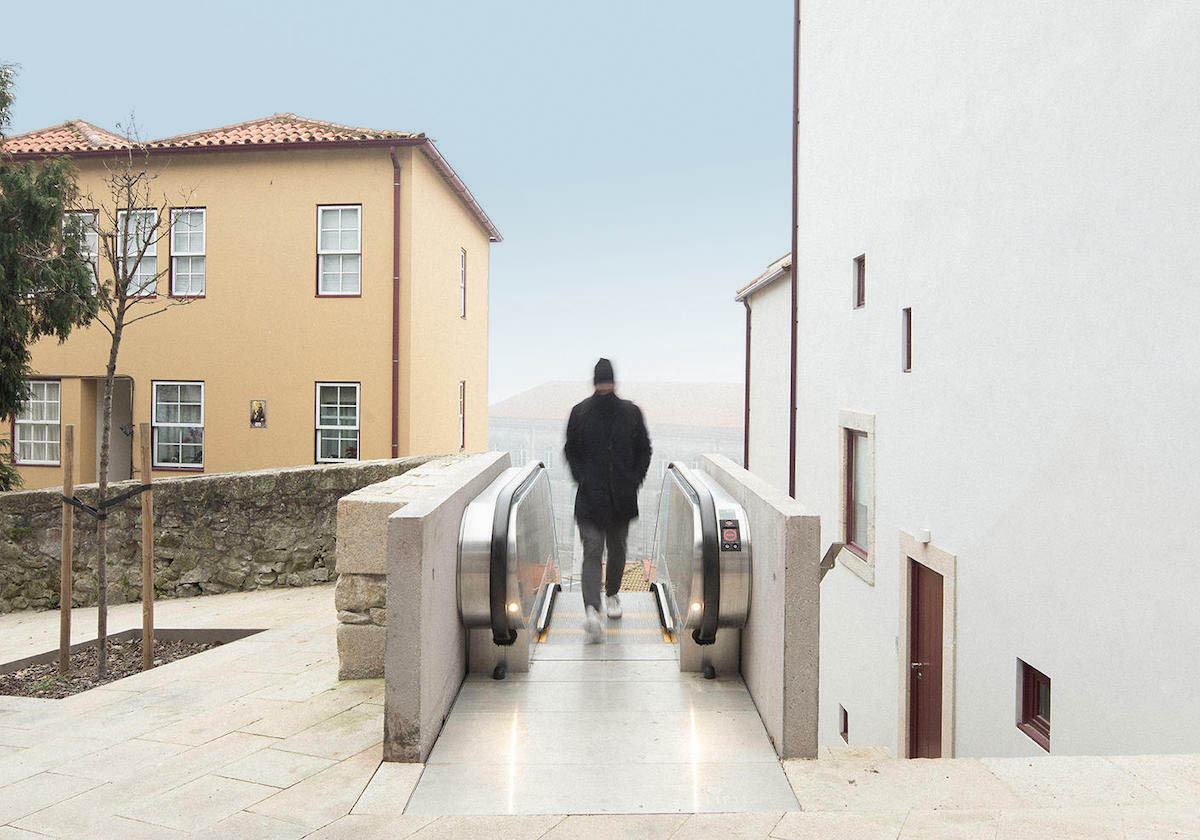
462,415
318,427
93,256
172,255
155,464
843,723
906,339
1028,719
321,252
853,438
462,283
151,252
17,422
860,281
857,559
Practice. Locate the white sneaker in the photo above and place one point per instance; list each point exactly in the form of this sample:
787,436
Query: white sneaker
591,626
613,602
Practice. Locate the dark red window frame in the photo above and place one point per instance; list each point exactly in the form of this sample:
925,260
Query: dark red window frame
853,437
1032,723
907,339
860,281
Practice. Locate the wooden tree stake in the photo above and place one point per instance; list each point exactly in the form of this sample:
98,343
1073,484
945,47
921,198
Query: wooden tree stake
147,554
67,453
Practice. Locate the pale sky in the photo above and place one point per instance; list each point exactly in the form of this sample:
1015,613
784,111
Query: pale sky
635,155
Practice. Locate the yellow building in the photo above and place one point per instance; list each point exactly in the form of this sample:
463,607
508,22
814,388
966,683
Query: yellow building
336,282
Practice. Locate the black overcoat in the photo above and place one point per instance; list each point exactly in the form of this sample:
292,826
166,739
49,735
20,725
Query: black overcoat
608,449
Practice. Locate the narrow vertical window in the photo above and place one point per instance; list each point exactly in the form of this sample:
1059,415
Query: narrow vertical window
462,415
139,250
36,425
177,419
339,250
860,281
462,283
187,252
844,723
1034,713
337,421
906,338
858,491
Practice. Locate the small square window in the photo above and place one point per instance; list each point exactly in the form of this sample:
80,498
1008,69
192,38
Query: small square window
844,723
1034,712
860,281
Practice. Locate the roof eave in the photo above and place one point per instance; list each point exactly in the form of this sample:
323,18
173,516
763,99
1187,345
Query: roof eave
435,157
762,282
456,183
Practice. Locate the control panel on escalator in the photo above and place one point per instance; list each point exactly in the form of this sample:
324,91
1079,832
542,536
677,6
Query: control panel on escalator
731,535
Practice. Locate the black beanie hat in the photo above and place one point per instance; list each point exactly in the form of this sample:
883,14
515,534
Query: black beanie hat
604,373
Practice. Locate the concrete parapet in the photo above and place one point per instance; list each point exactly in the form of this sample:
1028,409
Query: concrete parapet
426,653
780,642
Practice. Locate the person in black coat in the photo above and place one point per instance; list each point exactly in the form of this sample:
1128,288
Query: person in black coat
608,449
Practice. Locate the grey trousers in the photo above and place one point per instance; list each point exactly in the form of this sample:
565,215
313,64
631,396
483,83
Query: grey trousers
594,539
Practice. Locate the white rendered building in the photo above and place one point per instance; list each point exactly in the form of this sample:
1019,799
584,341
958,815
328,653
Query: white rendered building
998,372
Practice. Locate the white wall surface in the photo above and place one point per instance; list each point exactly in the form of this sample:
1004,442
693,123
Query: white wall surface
1025,176
770,375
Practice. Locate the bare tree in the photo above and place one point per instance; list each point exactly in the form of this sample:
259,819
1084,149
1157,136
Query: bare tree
121,232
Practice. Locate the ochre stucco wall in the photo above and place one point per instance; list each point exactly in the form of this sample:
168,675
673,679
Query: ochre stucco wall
262,333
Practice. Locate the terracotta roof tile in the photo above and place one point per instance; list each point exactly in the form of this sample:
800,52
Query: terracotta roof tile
71,136
279,128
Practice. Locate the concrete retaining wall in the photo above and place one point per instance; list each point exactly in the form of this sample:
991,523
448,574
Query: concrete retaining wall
781,640
213,533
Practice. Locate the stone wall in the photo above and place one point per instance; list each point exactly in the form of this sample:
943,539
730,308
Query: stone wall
213,533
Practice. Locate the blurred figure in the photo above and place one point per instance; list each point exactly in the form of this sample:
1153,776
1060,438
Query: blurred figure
608,449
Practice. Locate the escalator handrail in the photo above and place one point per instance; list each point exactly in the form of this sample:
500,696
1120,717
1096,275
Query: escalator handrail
502,634
710,559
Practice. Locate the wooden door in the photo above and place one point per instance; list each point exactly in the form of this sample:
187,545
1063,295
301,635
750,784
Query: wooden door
925,668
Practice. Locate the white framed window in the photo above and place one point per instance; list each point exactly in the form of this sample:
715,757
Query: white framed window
462,283
339,249
140,232
337,421
462,415
82,224
177,417
187,251
36,425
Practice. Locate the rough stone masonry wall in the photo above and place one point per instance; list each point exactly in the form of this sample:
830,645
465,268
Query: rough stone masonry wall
213,533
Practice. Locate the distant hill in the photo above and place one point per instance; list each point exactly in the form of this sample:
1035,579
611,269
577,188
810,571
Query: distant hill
712,405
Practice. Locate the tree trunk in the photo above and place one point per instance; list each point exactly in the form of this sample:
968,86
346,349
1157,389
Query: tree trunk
101,525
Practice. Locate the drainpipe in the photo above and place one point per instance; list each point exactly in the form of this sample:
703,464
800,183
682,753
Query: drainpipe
795,262
395,302
746,418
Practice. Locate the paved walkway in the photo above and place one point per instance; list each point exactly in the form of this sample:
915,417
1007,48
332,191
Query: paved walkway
257,739
612,728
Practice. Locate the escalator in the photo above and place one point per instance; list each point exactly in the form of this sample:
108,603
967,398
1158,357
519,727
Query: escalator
511,596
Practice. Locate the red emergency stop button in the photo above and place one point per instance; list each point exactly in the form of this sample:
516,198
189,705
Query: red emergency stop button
729,535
